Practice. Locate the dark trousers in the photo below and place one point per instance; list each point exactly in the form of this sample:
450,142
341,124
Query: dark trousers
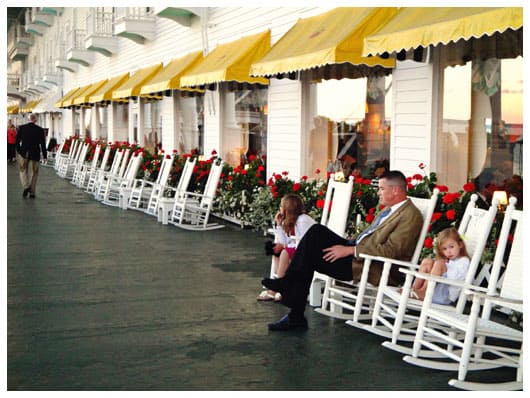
308,259
11,152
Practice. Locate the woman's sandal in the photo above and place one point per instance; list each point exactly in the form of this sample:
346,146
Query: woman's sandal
265,296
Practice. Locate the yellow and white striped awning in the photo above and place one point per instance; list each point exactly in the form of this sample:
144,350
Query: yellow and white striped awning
230,62
169,77
29,106
414,27
132,86
334,37
104,93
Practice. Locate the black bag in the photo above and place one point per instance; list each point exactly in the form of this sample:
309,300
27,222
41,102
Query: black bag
269,245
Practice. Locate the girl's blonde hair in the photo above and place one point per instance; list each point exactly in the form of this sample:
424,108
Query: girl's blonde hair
292,206
449,233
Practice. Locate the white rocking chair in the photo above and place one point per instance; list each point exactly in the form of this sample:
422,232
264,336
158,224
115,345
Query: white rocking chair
116,184
488,343
115,170
83,165
156,193
349,300
192,210
165,204
142,189
84,174
394,315
95,173
61,158
67,167
334,216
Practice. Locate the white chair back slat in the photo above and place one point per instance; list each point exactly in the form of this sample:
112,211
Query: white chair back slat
210,190
124,163
426,208
116,162
165,169
105,159
513,281
336,217
185,178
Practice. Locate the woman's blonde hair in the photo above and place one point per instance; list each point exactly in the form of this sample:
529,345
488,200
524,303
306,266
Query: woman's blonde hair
292,206
449,233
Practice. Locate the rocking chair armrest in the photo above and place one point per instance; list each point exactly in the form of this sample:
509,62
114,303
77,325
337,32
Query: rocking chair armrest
503,301
441,279
393,261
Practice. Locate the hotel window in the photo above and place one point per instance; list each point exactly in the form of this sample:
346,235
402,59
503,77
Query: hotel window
245,124
349,126
482,126
190,118
152,125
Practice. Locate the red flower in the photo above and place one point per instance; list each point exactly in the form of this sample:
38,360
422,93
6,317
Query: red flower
317,171
275,194
320,203
428,242
251,158
277,177
285,173
244,172
359,194
422,165
450,198
436,216
260,168
261,182
296,187
304,178
369,218
469,187
450,214
442,188
418,177
214,152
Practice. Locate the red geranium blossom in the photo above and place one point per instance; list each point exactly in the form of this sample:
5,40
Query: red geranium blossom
469,187
450,214
428,243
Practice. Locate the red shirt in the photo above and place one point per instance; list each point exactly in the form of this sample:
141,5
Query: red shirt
11,135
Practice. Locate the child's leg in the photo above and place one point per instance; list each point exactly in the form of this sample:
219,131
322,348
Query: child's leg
425,267
283,264
438,269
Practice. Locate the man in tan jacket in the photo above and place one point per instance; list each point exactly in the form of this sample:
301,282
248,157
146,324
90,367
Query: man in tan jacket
394,233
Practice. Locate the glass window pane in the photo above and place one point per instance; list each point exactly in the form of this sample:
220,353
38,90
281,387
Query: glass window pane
245,125
482,128
349,126
191,122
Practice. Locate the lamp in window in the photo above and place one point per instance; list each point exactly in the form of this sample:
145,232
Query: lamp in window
502,198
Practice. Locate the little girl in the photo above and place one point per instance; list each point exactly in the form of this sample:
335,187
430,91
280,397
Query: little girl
290,221
452,262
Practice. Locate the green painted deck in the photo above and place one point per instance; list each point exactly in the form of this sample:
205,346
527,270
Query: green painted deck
99,298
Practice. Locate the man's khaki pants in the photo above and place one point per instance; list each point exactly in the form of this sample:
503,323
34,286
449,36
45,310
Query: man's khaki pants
25,166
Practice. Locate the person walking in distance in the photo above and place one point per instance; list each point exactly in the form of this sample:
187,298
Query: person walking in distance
30,142
11,141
